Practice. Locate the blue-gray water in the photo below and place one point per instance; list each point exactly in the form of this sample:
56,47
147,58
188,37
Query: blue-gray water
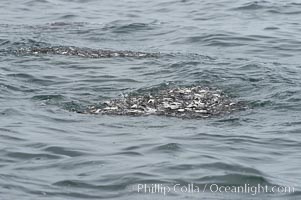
250,49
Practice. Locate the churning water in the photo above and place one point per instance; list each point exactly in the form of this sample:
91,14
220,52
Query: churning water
251,50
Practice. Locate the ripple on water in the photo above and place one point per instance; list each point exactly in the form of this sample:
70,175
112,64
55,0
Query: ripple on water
254,5
27,156
59,150
168,148
115,27
236,179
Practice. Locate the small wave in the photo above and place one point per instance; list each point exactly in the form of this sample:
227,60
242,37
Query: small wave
37,156
285,12
254,5
128,153
75,183
57,150
234,168
170,147
115,27
33,2
61,101
68,17
51,97
221,39
270,7
4,42
11,112
235,179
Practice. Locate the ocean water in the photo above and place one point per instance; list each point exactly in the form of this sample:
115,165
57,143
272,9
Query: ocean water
249,49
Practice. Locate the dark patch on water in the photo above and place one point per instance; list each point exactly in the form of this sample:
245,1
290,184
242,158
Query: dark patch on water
184,102
81,52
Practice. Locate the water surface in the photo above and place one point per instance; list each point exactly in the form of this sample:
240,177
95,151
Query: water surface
249,49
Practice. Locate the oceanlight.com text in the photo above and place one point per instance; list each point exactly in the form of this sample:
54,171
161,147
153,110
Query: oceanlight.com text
212,188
